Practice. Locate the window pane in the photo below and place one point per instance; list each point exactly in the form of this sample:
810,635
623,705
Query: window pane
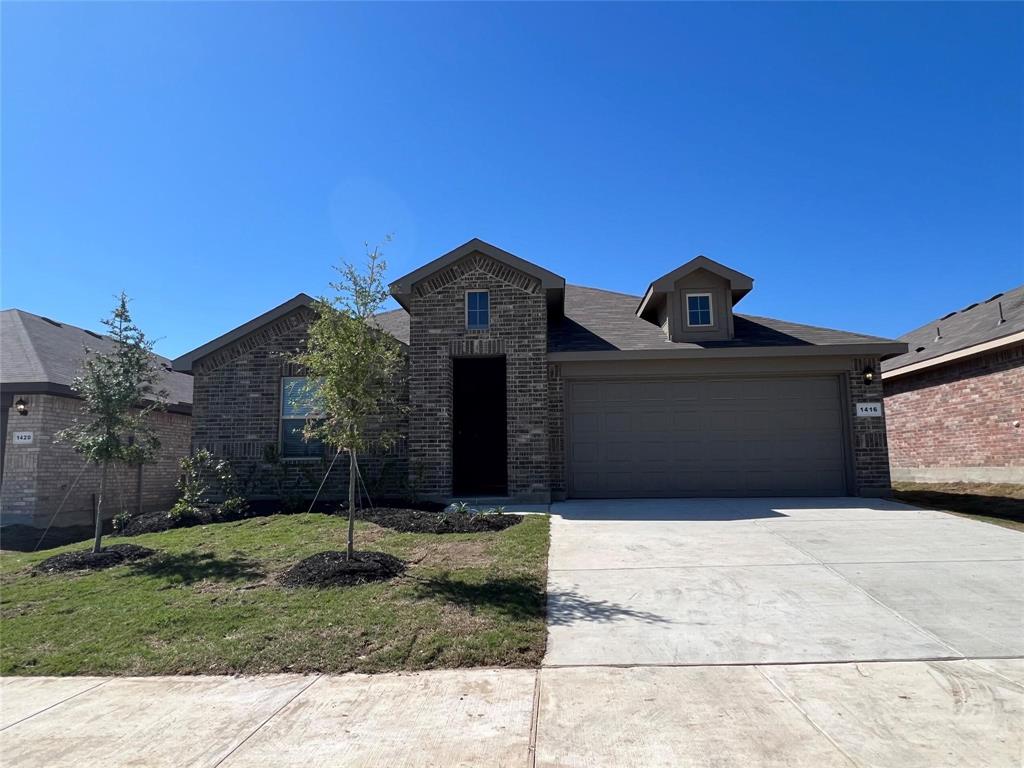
698,310
298,398
477,309
293,445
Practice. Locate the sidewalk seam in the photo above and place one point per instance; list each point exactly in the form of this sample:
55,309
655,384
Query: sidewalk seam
534,722
57,704
807,717
272,715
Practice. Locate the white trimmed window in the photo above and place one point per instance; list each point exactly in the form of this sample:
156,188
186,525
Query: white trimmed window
478,310
298,405
698,310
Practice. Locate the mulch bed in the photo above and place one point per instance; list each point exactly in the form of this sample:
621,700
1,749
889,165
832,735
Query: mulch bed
332,569
87,560
154,522
420,521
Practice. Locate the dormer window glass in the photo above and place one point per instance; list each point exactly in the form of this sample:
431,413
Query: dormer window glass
698,310
478,310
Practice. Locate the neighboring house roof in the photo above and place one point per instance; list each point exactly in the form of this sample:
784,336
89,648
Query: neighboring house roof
978,327
598,321
38,354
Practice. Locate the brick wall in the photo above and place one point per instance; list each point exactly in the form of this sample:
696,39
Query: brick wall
518,330
556,431
47,480
870,446
237,416
956,422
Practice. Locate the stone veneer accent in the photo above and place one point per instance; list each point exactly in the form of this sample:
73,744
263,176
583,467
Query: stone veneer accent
438,333
236,405
959,422
44,477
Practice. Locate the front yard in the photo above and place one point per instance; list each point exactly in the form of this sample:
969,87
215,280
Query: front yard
209,603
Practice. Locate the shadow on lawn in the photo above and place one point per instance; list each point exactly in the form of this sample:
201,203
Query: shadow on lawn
521,599
190,567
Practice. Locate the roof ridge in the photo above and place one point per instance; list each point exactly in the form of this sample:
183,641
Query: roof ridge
604,290
964,311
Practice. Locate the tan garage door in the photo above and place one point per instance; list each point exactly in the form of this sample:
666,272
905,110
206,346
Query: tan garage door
775,436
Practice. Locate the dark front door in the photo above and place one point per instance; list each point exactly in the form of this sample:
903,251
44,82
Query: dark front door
479,444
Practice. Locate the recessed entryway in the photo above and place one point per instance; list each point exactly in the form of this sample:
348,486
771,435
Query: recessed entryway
479,426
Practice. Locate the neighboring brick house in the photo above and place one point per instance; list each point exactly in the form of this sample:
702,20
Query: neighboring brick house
523,388
955,401
44,483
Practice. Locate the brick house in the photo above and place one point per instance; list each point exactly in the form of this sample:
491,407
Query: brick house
45,483
524,388
955,400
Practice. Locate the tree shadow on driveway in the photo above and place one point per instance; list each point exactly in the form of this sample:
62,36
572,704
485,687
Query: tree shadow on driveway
567,608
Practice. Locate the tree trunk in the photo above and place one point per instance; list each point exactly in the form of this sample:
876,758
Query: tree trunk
352,472
97,544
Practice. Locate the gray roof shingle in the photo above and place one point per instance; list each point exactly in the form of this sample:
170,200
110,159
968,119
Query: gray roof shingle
37,350
974,324
599,320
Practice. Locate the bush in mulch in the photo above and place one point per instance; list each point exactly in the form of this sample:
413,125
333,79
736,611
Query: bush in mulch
87,560
420,521
332,569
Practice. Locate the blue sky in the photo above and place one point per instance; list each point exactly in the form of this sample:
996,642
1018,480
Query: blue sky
863,162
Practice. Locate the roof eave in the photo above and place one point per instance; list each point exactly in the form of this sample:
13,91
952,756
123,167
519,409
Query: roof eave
957,354
681,353
184,363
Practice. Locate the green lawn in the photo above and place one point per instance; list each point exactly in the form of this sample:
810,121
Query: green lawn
209,603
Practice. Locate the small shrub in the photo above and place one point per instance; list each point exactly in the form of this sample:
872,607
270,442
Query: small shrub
204,480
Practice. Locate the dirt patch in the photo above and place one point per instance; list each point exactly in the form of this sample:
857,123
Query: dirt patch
422,521
333,569
451,554
993,499
87,560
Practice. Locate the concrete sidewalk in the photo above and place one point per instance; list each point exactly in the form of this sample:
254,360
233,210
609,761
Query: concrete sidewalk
906,715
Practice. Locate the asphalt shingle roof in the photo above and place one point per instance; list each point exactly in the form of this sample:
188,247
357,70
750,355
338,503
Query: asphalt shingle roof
974,324
37,350
598,320
604,320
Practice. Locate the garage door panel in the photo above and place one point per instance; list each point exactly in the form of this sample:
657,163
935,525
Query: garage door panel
765,436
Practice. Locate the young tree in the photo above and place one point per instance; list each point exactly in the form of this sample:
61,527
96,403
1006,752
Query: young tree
355,370
118,388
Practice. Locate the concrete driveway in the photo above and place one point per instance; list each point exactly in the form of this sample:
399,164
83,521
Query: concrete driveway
778,581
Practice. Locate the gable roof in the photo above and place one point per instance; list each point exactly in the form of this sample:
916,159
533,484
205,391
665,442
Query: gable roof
38,354
186,361
395,322
598,321
739,283
551,283
960,333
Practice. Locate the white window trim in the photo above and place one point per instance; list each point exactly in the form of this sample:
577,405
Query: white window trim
465,311
711,310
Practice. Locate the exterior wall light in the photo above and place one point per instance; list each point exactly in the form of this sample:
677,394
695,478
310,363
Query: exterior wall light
869,376
21,407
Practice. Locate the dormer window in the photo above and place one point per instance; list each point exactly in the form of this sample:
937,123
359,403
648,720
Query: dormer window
478,310
698,310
